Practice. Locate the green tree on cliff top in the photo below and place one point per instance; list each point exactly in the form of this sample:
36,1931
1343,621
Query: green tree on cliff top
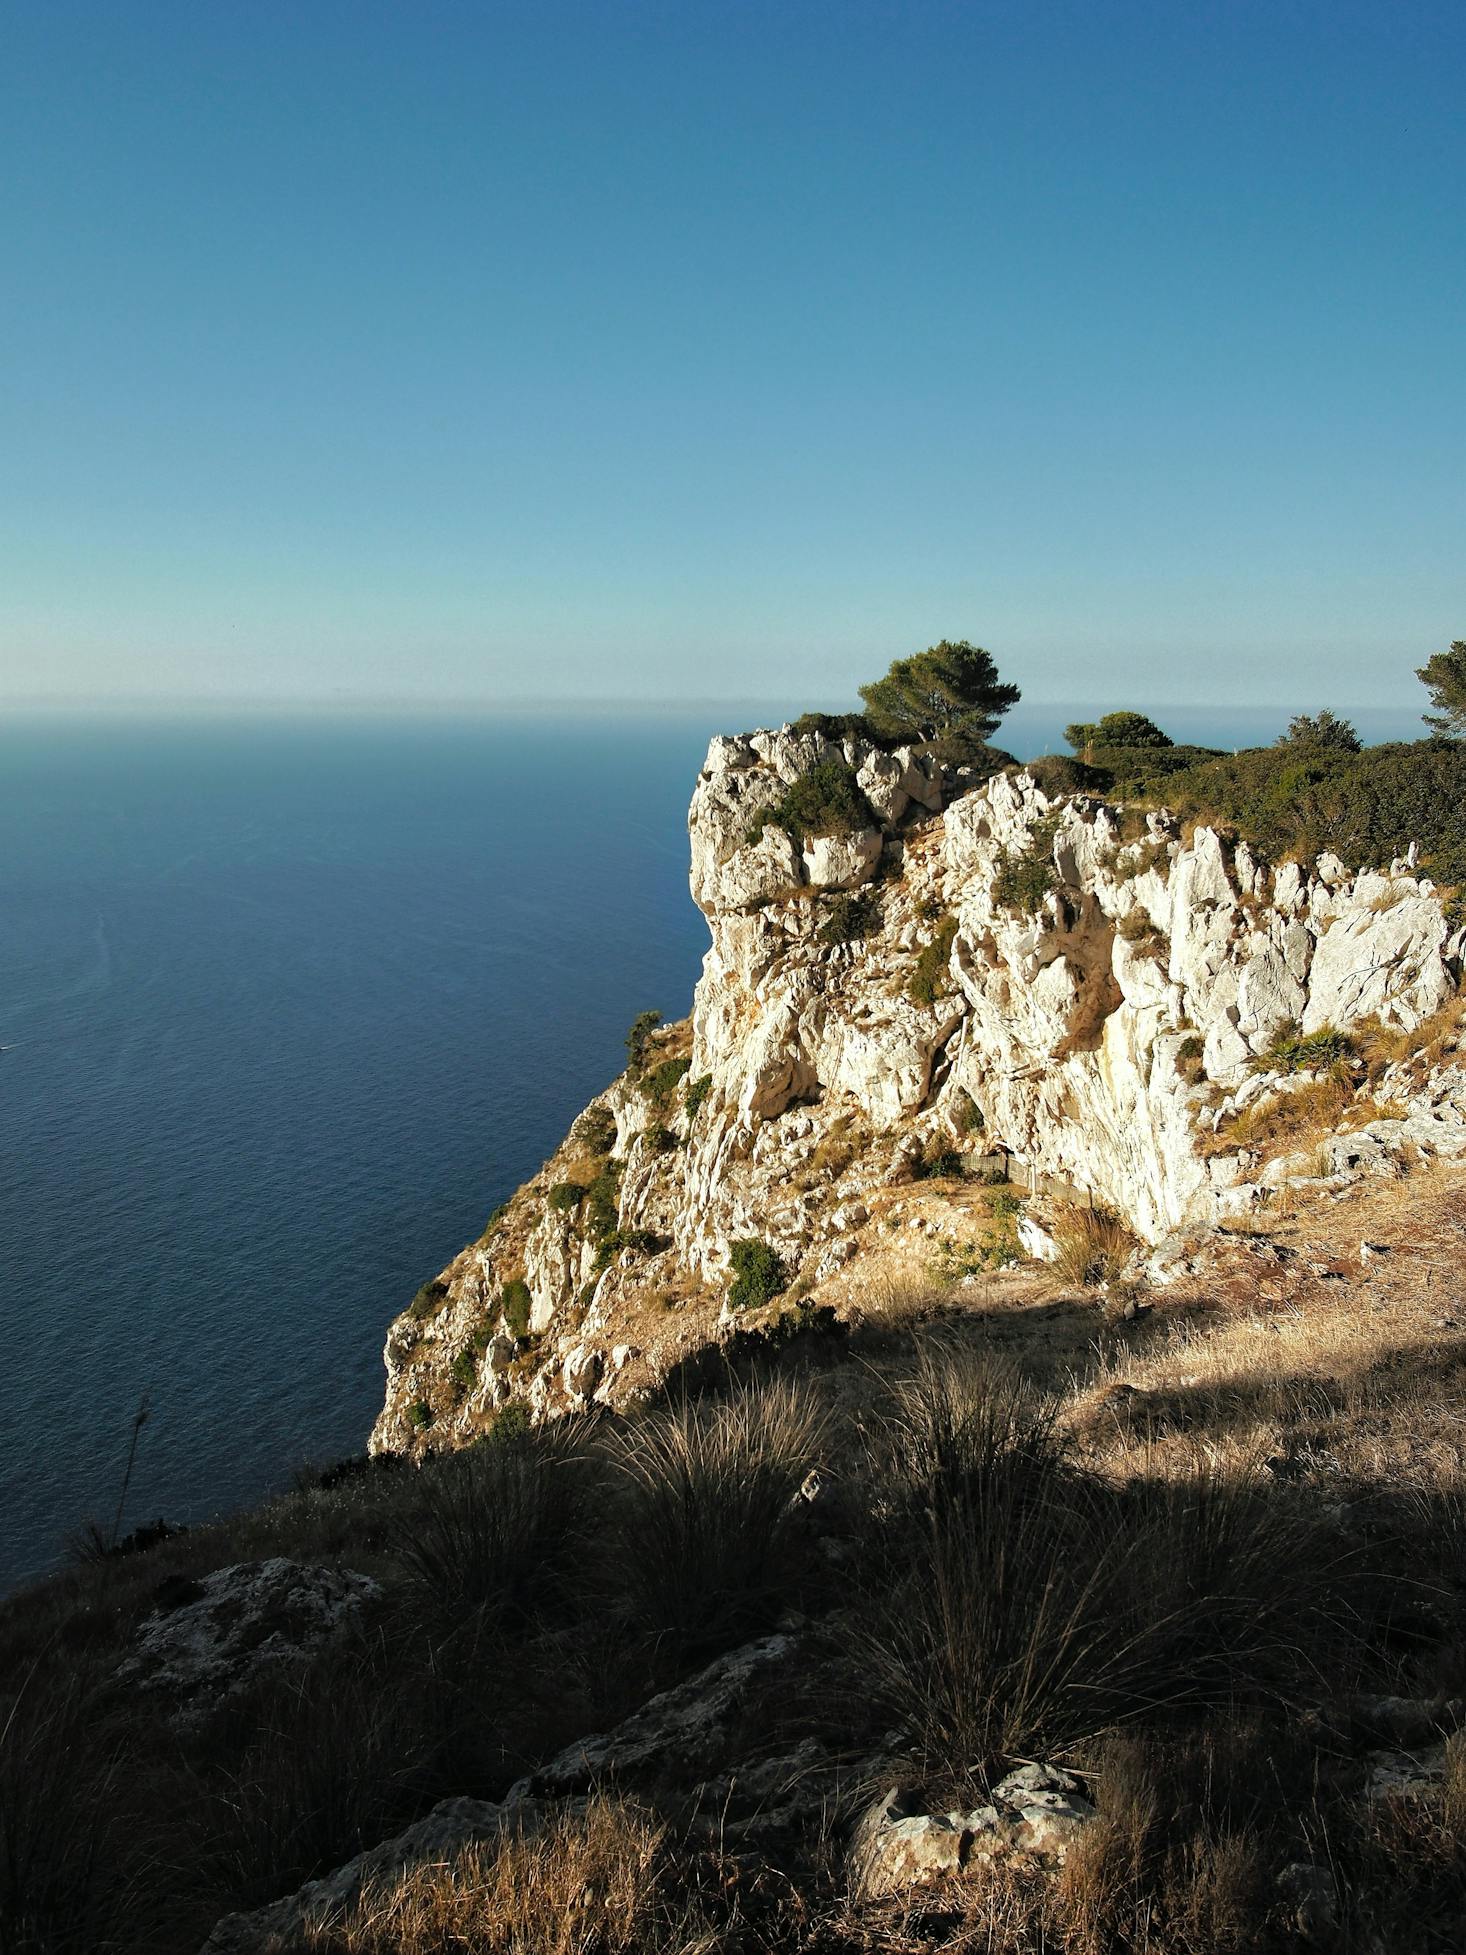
951,689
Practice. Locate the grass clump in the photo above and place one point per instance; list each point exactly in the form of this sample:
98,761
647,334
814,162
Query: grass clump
932,979
593,1881
1141,931
1296,1051
759,1274
1094,1246
828,800
1027,1607
706,1527
496,1525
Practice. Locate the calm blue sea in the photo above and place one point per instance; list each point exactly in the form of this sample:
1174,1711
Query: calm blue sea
285,1010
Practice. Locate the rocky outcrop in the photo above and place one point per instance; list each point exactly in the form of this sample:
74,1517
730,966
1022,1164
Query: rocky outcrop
1077,997
211,1639
1037,1811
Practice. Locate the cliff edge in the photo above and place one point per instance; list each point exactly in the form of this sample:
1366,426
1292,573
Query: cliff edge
956,1016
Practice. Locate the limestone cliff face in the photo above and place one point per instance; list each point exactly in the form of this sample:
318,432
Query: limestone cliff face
1085,997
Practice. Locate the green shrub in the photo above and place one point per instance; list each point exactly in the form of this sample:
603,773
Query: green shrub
639,1038
661,1140
930,980
495,1218
938,1164
759,1274
464,1369
1293,800
428,1302
662,1081
967,1115
828,800
1293,1051
1023,880
420,1414
851,916
515,1304
566,1195
603,1203
697,1091
645,1242
595,1130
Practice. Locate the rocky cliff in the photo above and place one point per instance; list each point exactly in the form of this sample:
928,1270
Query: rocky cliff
968,983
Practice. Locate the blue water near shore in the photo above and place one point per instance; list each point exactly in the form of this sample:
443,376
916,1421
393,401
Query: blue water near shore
286,1009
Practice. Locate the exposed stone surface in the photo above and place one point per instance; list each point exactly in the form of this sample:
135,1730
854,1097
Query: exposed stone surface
686,1727
446,1831
1099,1042
1037,1810
223,1631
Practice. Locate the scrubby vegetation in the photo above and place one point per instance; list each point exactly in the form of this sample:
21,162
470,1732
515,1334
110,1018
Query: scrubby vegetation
1109,1550
1025,879
759,1274
852,914
931,979
828,800
515,1305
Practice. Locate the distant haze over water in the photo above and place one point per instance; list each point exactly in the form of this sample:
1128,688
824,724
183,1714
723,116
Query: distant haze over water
287,1006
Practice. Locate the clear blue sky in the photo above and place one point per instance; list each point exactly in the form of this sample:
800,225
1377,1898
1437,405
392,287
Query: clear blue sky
729,349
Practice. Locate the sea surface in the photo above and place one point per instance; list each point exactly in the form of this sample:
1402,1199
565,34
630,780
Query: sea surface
286,1008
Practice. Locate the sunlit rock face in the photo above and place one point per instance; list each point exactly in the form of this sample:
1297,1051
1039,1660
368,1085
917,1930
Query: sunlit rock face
1080,993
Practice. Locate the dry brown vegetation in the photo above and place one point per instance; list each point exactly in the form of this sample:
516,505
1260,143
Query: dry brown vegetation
1170,1551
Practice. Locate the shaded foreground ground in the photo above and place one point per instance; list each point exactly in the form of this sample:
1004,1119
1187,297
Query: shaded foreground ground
1204,1547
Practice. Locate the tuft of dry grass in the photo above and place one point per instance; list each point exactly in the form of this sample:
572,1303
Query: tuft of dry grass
703,1531
594,1881
1094,1246
496,1523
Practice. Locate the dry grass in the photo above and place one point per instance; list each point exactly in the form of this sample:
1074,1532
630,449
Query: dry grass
1281,1122
1094,1246
591,1882
702,1536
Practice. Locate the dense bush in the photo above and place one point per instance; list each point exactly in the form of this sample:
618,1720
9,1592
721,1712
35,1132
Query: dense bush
759,1274
828,800
696,1092
428,1302
639,1038
1300,799
595,1130
566,1195
516,1303
662,1081
851,916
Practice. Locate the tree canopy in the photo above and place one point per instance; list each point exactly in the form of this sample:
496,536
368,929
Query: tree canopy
1323,729
950,689
1123,729
1444,677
